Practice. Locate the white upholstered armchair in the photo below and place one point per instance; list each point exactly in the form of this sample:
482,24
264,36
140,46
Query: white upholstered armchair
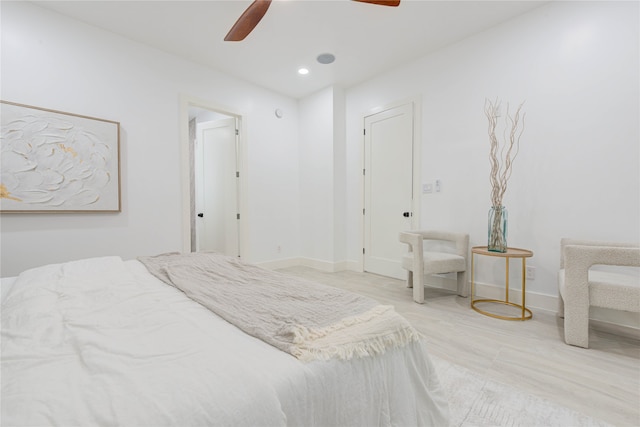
581,286
435,252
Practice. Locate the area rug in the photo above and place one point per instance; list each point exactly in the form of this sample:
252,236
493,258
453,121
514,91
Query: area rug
475,400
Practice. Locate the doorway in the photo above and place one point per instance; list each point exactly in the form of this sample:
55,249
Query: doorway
390,180
215,168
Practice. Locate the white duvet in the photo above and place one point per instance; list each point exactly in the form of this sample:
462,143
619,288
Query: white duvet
102,342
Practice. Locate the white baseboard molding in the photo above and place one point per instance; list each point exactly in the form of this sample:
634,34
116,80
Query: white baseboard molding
279,263
615,322
612,321
616,329
326,266
535,300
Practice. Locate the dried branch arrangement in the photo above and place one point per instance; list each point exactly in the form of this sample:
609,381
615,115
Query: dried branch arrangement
502,156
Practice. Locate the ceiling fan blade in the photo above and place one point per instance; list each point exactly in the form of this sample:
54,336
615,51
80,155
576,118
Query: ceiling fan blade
393,3
248,20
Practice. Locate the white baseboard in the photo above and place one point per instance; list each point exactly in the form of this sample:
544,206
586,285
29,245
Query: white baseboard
616,329
612,321
533,299
326,266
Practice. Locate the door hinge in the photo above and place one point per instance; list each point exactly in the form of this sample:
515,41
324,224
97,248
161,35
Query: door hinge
237,174
362,211
364,131
364,171
237,216
237,132
362,251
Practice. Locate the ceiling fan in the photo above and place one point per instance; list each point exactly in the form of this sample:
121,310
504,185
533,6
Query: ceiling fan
256,10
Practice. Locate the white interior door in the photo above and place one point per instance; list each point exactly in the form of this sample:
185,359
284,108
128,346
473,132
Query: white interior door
216,181
388,192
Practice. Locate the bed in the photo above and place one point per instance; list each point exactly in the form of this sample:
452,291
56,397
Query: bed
103,341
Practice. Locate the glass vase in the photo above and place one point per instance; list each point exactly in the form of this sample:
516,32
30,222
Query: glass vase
497,229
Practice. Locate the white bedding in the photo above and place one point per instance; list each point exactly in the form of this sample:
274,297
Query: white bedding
102,342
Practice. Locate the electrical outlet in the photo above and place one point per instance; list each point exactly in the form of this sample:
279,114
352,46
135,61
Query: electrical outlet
531,273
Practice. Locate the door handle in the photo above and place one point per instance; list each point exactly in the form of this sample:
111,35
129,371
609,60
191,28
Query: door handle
200,214
407,214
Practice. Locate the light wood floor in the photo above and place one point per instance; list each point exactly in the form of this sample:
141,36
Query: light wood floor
602,381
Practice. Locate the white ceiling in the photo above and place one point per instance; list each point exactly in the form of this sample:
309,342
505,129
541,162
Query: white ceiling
366,39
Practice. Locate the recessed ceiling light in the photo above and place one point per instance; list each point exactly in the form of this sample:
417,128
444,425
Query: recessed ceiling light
303,71
326,58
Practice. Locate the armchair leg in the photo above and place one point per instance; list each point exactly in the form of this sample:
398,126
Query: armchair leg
463,286
418,288
576,326
410,279
560,306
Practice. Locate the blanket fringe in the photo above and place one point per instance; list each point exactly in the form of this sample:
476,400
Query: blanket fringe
303,334
368,348
337,340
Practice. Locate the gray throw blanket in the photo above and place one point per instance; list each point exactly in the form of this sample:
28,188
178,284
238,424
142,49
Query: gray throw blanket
305,319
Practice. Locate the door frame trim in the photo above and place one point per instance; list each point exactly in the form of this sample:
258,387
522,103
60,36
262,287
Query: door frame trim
416,103
187,102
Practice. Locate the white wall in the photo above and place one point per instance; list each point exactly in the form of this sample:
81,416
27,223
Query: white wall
322,179
340,179
316,175
54,62
576,64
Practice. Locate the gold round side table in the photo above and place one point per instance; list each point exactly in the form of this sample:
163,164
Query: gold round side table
510,253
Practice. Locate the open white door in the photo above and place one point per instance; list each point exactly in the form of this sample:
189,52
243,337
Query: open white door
216,185
388,192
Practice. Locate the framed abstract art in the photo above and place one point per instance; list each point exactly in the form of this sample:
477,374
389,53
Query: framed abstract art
52,161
